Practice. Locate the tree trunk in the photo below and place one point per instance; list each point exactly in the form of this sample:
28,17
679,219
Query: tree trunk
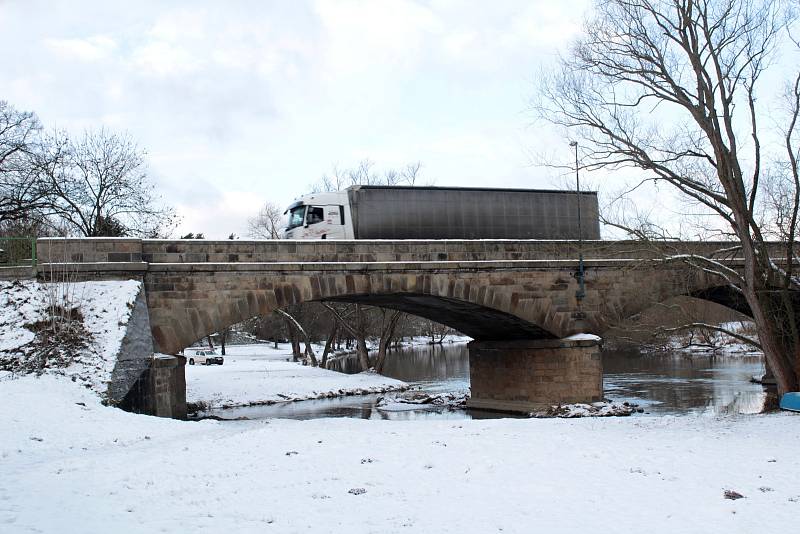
357,331
381,361
310,356
328,345
295,327
295,340
387,333
223,337
777,347
363,353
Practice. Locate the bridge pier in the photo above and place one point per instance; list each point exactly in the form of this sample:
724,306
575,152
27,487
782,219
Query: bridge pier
528,375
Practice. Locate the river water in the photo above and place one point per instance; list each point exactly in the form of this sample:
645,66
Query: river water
672,384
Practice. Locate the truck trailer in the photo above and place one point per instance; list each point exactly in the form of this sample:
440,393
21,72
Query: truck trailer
412,212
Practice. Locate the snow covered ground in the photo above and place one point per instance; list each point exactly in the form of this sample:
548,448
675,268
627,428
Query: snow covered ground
105,307
260,374
69,464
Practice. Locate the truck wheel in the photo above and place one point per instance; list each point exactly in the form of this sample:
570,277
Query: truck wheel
191,361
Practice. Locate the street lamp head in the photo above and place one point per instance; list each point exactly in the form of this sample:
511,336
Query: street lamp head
573,143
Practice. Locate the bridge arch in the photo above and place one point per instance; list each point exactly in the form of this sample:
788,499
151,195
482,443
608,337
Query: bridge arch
616,295
476,321
187,303
485,306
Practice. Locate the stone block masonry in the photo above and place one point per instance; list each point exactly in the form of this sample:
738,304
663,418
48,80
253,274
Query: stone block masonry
160,390
524,376
133,250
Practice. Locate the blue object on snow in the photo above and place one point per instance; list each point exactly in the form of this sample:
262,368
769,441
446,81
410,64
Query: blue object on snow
791,401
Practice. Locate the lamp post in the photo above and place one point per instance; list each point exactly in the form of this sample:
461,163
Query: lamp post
581,293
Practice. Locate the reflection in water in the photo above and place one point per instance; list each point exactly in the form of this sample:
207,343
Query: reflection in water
676,383
358,407
435,368
665,384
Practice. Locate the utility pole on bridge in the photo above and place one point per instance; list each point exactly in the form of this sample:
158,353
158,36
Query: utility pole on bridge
581,293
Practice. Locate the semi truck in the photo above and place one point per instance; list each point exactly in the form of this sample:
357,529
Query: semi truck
413,212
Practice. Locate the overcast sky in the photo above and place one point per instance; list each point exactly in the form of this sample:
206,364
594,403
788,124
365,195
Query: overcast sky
242,102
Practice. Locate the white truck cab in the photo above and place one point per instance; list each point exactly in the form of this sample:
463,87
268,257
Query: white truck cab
319,216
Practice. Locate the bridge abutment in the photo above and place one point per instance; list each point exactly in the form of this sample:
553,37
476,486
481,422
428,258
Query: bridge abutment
529,375
160,390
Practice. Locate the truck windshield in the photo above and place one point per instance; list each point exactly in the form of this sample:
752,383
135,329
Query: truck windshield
296,216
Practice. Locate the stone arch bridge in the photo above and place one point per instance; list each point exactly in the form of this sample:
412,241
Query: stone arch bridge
517,299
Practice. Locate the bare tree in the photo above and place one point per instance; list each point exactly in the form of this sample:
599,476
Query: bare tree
668,87
309,352
365,174
388,325
352,318
329,343
102,187
223,338
436,331
690,322
21,192
267,223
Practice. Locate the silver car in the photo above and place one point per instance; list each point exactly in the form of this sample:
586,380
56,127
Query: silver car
205,357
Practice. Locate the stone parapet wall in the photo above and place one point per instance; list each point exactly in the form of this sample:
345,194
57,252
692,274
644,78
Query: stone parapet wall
17,273
112,250
194,251
88,250
524,376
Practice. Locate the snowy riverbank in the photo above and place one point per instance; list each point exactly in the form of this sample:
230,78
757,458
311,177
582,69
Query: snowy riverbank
100,309
69,464
259,374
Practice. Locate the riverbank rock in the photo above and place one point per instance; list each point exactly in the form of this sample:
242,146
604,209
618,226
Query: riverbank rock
595,409
414,400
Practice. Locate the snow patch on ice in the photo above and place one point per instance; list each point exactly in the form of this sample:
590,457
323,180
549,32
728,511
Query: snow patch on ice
584,337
